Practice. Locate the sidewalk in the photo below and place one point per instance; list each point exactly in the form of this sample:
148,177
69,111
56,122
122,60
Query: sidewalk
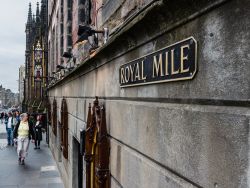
39,171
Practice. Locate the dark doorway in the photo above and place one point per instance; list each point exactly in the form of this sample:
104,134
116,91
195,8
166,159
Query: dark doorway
77,165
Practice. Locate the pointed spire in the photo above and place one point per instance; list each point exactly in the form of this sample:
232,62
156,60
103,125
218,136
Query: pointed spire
43,3
42,6
33,18
43,10
29,21
37,8
30,14
33,21
37,12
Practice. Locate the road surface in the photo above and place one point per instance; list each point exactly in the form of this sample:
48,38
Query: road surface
39,171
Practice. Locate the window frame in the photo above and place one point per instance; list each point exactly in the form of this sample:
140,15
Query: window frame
64,128
54,116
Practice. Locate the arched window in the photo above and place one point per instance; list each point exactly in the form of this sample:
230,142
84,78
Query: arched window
54,116
64,130
49,112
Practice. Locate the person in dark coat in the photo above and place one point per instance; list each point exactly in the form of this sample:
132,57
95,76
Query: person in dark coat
38,132
2,117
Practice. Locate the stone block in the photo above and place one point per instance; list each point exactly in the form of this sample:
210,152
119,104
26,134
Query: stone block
81,125
114,183
72,106
128,7
110,7
81,107
71,123
198,142
133,170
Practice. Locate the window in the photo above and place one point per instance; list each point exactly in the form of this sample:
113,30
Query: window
52,59
49,112
85,9
64,129
54,116
61,32
68,36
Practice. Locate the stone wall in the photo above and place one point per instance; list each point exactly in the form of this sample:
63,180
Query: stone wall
180,134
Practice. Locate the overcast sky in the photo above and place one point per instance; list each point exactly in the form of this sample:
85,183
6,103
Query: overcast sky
13,16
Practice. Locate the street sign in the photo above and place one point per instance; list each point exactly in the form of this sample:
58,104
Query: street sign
172,63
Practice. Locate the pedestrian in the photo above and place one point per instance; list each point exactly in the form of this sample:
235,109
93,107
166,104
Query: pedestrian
5,115
2,117
9,122
14,119
32,119
38,132
23,133
17,116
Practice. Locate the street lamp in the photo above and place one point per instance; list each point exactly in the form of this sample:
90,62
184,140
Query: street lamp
69,56
84,32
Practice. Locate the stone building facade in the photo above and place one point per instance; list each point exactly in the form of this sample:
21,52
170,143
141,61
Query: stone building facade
21,83
192,133
7,98
36,60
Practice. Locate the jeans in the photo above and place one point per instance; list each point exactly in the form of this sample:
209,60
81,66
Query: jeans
9,136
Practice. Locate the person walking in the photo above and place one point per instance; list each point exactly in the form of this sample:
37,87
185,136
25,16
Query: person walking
23,133
17,114
2,117
38,132
9,122
14,119
5,115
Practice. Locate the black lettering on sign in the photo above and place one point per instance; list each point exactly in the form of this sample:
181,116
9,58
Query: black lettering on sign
173,63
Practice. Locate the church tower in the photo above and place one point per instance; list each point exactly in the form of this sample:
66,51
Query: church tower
36,62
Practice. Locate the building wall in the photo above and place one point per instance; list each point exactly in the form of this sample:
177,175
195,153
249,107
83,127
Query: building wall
21,84
7,97
181,134
53,35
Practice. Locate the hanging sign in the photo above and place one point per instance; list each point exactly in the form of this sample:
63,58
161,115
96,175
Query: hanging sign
172,63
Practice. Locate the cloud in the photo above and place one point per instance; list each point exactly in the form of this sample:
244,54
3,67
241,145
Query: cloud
13,16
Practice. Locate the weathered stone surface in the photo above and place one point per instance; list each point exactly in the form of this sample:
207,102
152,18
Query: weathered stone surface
81,106
160,144
72,125
133,170
114,183
80,126
110,7
130,7
222,59
198,142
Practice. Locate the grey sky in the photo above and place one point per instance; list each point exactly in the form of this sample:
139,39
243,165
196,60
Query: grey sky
13,16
